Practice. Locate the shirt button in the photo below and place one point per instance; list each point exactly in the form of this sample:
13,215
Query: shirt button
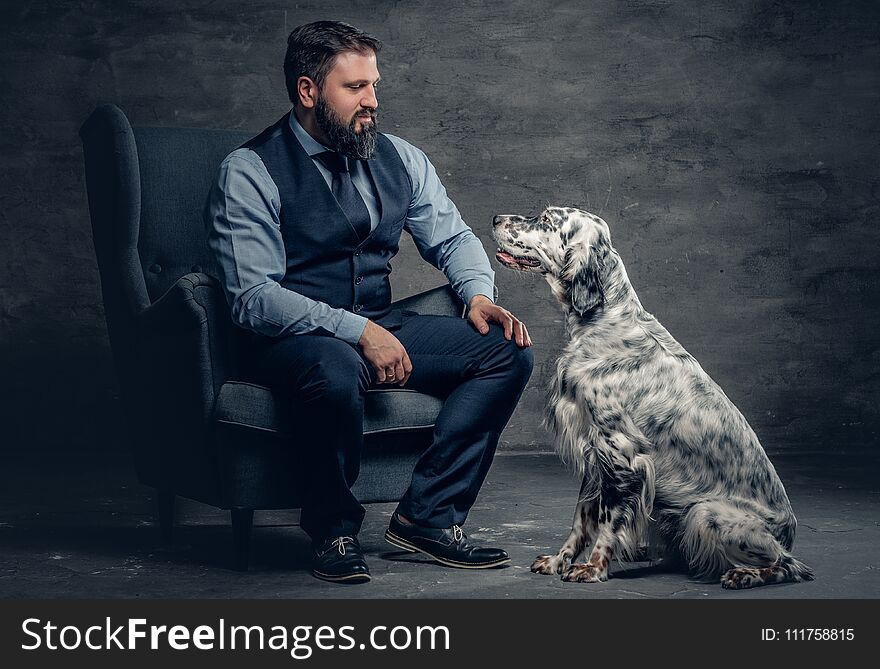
358,280
358,307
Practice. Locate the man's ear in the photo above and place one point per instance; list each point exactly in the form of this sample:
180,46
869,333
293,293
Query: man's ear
583,273
307,92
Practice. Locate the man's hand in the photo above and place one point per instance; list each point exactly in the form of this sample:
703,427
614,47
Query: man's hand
387,355
482,311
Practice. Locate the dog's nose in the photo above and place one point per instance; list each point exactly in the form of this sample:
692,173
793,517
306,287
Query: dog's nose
497,220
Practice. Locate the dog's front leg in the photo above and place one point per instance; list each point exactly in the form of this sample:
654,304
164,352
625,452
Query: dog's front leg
583,531
623,511
596,568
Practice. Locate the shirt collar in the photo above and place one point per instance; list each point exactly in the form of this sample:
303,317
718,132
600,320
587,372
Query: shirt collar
309,143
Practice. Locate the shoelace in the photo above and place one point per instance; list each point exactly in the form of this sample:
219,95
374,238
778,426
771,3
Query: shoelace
457,534
339,544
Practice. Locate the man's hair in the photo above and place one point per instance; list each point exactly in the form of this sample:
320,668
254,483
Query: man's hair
312,49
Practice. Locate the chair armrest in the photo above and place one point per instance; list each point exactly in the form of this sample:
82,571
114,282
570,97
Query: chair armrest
179,309
441,301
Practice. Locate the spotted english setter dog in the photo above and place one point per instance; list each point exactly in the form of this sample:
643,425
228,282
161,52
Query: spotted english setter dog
667,458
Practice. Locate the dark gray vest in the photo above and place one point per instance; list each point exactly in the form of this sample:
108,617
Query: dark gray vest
326,260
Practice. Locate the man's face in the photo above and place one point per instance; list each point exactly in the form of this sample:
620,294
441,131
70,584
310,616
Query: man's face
346,106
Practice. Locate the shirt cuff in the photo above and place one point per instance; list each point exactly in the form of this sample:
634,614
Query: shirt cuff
351,328
474,288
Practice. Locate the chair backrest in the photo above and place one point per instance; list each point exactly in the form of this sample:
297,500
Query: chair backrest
147,190
177,168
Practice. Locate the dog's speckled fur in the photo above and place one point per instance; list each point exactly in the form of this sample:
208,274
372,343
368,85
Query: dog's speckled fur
663,451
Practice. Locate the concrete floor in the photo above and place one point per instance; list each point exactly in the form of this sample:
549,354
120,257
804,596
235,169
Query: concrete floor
82,527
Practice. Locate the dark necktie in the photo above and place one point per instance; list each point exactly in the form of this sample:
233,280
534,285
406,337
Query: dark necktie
346,194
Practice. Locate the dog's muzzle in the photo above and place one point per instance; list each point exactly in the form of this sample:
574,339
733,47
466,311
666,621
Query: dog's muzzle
507,259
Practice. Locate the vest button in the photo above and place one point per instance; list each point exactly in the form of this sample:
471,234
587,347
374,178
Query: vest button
358,252
358,307
358,280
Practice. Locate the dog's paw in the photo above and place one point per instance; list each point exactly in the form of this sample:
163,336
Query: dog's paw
547,564
741,578
584,573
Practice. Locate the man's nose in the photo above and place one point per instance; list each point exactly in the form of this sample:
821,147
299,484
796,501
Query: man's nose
370,100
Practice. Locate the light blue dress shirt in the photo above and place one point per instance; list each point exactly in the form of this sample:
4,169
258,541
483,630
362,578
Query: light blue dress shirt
244,233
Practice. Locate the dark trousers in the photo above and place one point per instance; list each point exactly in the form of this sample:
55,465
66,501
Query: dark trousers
481,378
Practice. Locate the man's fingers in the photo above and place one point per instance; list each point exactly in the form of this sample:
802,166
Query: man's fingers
407,370
508,327
527,337
520,333
514,329
392,373
505,319
522,336
384,352
479,322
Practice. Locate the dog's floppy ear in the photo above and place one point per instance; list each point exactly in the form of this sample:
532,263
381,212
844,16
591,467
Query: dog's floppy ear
583,274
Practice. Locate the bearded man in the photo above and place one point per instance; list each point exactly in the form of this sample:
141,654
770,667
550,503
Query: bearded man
303,220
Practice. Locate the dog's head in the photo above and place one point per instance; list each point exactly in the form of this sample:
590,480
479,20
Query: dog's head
569,246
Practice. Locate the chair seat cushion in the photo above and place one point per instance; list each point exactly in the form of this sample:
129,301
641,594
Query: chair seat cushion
251,406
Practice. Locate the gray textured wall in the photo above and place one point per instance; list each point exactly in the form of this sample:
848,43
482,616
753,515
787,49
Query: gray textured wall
732,147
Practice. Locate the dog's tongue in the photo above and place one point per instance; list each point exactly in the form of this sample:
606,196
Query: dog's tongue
509,259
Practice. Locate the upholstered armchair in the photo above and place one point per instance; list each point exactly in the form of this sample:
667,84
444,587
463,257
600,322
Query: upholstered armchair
198,429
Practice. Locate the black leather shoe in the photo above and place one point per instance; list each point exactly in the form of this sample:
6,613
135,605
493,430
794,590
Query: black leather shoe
340,560
447,546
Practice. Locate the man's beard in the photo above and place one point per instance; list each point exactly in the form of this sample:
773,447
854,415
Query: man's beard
343,138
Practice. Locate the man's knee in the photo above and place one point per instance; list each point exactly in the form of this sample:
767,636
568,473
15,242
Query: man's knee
522,364
517,362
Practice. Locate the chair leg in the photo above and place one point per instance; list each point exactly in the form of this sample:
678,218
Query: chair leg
165,499
242,523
